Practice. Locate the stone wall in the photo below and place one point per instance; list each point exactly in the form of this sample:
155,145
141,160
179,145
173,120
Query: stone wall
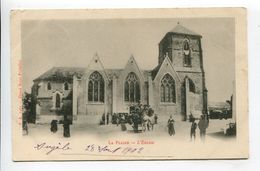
177,51
43,92
82,90
173,45
46,97
46,107
162,108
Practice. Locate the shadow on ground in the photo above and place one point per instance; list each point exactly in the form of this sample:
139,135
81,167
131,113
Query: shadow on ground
221,134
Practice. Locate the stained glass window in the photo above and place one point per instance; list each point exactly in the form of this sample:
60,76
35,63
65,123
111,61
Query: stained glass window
168,89
132,88
96,88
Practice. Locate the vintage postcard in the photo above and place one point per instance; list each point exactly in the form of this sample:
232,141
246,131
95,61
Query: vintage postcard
129,84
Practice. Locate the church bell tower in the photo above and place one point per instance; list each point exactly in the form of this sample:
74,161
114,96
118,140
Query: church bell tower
183,47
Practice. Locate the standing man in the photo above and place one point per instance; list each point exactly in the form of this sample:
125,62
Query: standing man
103,119
118,118
67,112
25,127
193,130
66,127
191,117
114,118
155,118
107,118
136,122
203,125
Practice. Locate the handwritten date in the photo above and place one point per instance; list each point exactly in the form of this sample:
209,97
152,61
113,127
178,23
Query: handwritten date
109,149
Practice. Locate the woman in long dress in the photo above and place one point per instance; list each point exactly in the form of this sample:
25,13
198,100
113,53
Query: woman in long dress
171,130
123,121
54,126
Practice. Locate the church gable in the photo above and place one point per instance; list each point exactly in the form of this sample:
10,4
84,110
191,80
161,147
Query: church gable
96,65
166,67
132,66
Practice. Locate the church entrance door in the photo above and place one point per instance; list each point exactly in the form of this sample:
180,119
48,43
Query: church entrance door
189,96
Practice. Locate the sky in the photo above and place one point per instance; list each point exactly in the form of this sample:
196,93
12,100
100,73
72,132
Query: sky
73,43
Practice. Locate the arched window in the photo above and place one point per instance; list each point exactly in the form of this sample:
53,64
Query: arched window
48,86
168,89
132,88
58,101
96,87
186,52
66,86
191,86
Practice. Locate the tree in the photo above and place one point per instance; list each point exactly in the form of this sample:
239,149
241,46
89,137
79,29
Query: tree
27,103
138,112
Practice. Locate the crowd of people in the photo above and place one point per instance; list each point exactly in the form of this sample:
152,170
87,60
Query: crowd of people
202,124
146,122
141,118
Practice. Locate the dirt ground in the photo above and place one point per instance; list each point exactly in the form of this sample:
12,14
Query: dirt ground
83,129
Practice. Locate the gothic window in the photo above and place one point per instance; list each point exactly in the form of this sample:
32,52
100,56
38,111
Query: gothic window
48,86
66,86
186,52
132,88
168,89
90,91
162,93
96,87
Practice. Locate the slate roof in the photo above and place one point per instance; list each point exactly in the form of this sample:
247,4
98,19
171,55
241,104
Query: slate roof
112,72
182,30
66,73
117,72
155,71
146,74
60,73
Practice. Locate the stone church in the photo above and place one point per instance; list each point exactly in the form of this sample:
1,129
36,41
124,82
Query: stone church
176,86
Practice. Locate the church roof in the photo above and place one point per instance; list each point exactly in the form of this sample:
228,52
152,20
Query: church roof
60,73
113,72
66,73
117,72
179,29
155,71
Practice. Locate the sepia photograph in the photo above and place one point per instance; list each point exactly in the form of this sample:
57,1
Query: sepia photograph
129,84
